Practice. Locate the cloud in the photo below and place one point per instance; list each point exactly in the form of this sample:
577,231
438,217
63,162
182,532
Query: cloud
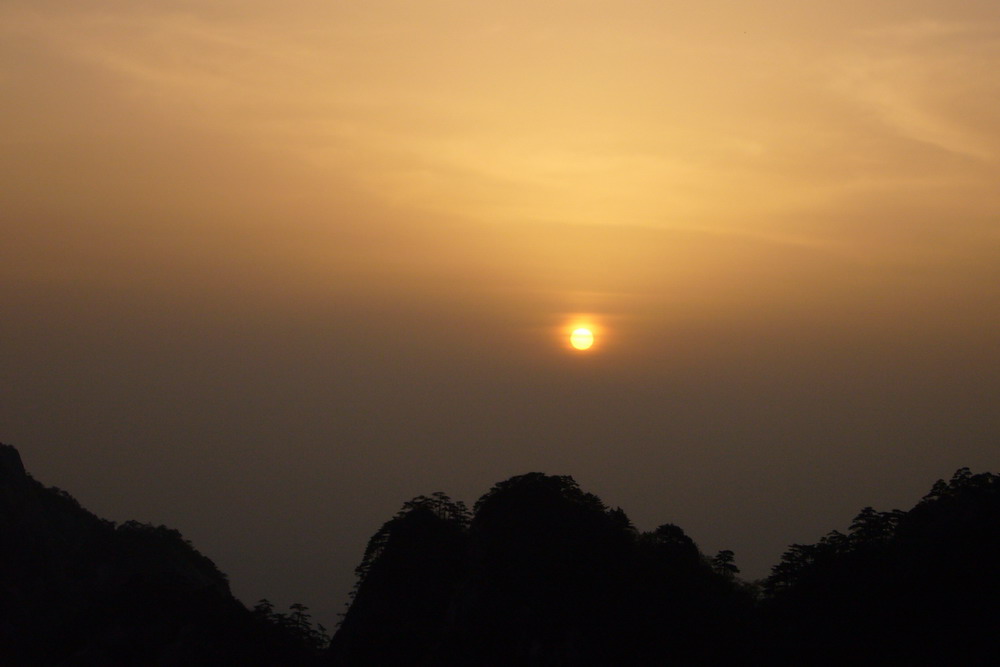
920,77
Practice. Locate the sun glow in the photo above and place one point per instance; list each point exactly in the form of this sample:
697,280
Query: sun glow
581,339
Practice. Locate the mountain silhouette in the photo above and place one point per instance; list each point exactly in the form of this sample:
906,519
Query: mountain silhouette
79,590
543,574
539,574
916,588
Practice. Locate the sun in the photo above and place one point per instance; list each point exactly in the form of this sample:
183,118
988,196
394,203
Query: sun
581,338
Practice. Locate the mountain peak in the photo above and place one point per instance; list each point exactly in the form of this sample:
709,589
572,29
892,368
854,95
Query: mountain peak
10,462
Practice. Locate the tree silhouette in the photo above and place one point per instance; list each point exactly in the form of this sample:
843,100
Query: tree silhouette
908,587
407,577
543,574
724,563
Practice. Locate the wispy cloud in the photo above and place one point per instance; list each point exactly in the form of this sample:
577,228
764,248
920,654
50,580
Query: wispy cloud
919,78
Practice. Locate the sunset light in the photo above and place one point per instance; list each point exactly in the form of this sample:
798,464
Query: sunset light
269,268
581,339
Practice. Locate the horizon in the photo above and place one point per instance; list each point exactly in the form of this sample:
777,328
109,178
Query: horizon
469,507
331,256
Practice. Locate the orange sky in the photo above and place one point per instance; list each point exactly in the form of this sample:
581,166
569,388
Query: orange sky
401,206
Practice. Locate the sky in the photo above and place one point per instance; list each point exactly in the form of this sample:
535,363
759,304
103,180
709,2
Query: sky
268,270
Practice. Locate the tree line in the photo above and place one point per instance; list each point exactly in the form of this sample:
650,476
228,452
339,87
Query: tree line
538,573
543,573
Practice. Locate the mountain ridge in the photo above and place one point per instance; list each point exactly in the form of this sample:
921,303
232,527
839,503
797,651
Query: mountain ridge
540,573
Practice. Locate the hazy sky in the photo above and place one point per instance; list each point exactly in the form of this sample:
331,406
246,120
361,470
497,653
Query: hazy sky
268,270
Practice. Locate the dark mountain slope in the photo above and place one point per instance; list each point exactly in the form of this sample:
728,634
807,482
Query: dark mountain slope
544,574
919,588
78,590
410,572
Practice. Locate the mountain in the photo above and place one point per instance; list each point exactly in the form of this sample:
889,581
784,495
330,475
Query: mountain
539,574
917,588
79,590
542,574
